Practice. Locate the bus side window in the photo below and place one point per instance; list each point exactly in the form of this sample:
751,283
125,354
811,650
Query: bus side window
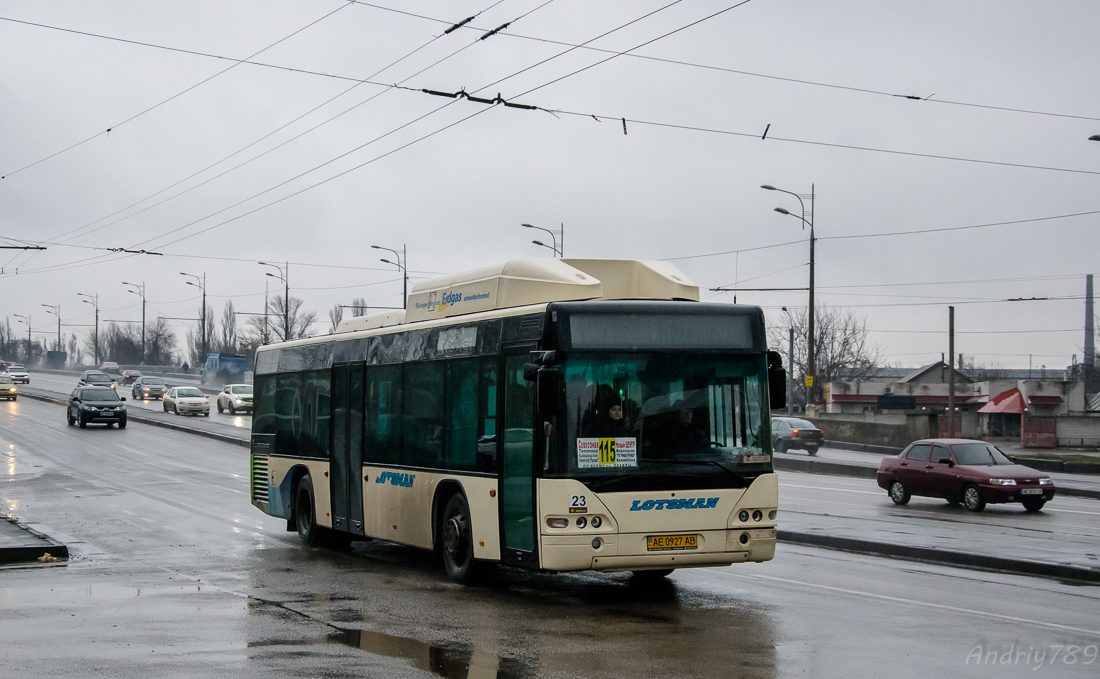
461,421
423,414
382,433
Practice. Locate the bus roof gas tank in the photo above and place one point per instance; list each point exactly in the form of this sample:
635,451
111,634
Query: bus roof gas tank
523,282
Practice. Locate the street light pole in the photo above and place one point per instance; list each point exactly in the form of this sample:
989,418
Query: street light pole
141,291
201,285
559,251
94,302
810,353
284,275
402,266
27,320
56,312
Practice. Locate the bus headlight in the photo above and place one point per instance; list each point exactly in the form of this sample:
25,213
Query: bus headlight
582,522
553,522
596,522
743,515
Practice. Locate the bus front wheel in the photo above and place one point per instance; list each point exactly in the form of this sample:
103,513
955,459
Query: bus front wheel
457,541
304,515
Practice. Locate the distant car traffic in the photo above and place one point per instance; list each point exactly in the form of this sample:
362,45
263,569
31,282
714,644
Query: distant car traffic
96,404
186,401
110,368
146,388
94,377
961,470
234,397
793,432
18,373
8,389
128,376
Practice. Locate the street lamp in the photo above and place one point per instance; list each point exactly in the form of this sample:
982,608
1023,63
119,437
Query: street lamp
27,320
141,291
284,274
559,251
402,265
94,301
1095,137
56,312
810,313
200,283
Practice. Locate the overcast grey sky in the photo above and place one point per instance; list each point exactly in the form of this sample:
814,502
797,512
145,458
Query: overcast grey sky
291,158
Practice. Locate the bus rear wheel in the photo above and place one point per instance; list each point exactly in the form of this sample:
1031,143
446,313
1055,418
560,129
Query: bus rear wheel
457,541
304,514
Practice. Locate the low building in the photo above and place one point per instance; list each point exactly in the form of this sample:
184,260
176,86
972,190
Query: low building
1041,413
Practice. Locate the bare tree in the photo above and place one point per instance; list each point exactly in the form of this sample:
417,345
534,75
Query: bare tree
229,339
122,343
300,321
335,315
160,343
76,357
358,307
841,348
194,338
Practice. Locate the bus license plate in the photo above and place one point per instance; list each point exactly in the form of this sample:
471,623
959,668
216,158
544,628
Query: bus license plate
1031,491
657,543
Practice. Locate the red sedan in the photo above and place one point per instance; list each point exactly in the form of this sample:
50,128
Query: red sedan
960,470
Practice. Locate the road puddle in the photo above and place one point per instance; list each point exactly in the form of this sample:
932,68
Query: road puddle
454,661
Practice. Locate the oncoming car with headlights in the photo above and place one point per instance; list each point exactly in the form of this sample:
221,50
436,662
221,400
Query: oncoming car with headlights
186,401
235,397
8,389
974,473
94,404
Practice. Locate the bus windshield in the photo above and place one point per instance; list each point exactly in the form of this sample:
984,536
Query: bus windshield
660,421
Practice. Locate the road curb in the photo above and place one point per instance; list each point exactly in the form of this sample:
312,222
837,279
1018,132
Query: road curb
132,417
942,556
813,466
27,543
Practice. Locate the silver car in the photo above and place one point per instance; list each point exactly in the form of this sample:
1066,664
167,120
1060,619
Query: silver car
186,401
18,373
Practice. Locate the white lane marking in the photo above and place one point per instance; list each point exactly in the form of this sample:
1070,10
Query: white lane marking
839,490
925,604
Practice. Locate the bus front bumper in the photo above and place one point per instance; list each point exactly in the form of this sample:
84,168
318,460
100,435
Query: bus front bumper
627,552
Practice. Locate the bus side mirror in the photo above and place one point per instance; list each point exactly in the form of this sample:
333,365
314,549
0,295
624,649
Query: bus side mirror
777,381
549,389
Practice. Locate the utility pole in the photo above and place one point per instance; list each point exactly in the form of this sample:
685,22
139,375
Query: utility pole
141,288
94,302
790,371
951,373
200,283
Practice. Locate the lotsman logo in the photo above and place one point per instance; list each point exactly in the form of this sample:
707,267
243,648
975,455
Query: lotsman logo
396,479
675,503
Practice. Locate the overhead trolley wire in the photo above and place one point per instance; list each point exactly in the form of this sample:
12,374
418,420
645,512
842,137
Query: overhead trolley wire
154,106
797,81
272,133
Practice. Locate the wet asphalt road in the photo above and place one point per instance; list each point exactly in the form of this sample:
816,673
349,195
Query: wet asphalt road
174,573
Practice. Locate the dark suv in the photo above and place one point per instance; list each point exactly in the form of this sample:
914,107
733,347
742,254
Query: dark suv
95,377
96,404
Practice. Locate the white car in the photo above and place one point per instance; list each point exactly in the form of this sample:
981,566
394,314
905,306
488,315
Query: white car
186,401
234,397
18,373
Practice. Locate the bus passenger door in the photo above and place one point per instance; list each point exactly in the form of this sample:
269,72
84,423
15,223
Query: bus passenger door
347,448
516,448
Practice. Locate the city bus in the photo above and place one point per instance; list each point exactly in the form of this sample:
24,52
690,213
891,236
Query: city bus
546,414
